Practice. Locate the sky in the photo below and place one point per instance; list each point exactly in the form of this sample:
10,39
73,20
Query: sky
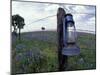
35,15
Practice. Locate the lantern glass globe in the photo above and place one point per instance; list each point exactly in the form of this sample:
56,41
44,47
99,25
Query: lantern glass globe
71,33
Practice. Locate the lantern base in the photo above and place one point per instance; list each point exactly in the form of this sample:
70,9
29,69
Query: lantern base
71,50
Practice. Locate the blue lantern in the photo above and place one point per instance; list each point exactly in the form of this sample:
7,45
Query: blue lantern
69,37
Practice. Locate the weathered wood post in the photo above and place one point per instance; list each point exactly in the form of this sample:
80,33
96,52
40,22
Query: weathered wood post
61,58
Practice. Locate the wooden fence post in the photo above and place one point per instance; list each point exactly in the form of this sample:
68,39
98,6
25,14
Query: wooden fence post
61,58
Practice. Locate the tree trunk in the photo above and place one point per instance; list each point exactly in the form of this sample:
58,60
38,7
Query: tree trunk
19,34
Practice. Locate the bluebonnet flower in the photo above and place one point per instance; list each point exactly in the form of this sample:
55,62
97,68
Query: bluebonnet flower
20,47
19,57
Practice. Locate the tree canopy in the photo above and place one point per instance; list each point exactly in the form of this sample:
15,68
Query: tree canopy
18,21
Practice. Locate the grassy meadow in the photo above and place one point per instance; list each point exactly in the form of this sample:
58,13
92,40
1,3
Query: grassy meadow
37,52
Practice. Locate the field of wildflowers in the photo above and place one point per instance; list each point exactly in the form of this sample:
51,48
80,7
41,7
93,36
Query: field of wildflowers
37,52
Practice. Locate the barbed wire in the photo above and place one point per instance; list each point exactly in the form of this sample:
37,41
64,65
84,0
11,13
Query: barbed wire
41,19
55,15
85,30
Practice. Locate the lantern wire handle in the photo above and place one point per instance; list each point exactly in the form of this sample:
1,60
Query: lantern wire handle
75,33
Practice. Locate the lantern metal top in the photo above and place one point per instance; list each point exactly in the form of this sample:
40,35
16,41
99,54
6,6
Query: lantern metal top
69,18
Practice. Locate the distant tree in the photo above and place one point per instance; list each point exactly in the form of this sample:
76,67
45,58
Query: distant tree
18,23
43,28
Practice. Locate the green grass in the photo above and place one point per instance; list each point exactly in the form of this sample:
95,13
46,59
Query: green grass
46,51
87,57
49,51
